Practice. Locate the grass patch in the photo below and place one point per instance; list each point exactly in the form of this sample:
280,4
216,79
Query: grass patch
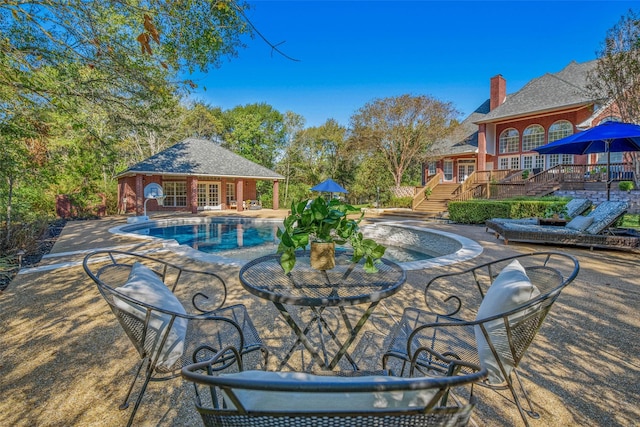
630,221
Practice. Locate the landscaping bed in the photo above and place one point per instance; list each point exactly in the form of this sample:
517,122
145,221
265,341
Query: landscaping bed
31,258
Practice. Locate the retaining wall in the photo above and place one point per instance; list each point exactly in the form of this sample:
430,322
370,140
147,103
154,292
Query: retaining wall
632,197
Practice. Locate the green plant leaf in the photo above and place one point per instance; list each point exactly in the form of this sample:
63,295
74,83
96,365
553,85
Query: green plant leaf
288,260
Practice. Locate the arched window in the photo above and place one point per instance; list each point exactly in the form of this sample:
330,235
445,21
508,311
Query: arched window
560,129
509,141
532,137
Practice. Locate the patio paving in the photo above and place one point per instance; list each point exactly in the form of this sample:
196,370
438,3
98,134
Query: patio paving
65,360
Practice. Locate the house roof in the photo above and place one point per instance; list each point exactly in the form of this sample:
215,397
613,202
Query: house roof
464,139
203,158
564,89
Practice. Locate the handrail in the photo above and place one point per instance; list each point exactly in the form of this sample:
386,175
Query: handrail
430,185
468,184
509,182
476,186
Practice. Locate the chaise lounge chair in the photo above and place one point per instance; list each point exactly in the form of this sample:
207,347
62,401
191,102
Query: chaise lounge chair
592,230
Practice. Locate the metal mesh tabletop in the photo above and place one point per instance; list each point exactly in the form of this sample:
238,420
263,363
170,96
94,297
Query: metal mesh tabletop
346,284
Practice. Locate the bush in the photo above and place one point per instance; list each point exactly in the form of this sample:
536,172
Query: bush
478,211
625,185
22,235
400,202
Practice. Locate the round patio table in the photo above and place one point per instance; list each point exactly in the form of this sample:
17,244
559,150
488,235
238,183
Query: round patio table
346,284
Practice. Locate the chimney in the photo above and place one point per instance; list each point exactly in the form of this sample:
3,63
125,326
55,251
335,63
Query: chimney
498,91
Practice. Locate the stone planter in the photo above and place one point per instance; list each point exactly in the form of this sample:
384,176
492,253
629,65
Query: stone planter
323,255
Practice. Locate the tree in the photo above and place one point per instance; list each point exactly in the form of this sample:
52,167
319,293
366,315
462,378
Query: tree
401,128
202,121
616,77
103,77
254,131
293,125
369,184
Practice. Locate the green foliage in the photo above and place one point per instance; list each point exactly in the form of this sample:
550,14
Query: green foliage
322,221
7,265
254,131
630,221
400,202
478,211
401,129
555,209
372,181
22,235
625,185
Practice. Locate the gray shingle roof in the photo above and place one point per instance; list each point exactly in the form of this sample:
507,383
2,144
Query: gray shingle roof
201,157
549,92
464,139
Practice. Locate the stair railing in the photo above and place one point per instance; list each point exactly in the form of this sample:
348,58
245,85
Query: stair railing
426,190
477,185
550,178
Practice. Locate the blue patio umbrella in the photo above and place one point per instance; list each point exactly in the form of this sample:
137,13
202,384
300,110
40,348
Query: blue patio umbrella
608,137
329,186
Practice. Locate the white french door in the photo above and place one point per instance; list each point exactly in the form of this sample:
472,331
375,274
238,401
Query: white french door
208,194
464,170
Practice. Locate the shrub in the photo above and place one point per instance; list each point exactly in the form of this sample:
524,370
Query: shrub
400,202
478,211
625,185
7,265
22,235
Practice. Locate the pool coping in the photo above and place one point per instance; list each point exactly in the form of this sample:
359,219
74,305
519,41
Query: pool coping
469,248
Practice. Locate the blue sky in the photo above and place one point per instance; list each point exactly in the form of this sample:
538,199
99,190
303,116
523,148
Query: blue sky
352,52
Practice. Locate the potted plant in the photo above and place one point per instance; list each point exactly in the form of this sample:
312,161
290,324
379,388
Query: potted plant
556,210
625,186
323,224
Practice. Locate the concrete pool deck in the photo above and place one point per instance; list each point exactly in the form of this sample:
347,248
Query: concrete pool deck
65,361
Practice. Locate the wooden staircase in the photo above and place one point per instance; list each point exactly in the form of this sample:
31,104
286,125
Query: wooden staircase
541,189
436,204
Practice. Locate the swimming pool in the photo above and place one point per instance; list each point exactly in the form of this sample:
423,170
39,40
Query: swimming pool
239,240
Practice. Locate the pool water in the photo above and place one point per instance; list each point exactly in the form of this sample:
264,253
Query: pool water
245,240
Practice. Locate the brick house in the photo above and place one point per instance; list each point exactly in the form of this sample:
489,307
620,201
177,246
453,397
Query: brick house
502,132
195,174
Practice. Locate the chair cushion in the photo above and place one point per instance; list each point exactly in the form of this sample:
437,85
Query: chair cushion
579,223
577,206
509,290
279,401
144,285
604,215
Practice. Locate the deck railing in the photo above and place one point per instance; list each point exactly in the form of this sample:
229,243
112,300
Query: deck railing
477,185
426,190
502,184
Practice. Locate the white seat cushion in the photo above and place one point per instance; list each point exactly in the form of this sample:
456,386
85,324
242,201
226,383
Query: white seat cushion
511,289
272,401
144,285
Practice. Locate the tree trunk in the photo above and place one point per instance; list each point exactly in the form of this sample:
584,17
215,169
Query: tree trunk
9,204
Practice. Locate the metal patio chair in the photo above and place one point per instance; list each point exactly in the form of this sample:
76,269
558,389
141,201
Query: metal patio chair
340,399
169,313
486,315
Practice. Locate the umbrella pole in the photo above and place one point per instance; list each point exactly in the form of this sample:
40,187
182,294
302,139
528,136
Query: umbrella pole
608,171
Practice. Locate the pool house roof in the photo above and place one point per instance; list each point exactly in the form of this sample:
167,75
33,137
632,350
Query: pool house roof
200,157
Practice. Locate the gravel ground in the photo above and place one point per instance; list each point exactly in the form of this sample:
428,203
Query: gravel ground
65,361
